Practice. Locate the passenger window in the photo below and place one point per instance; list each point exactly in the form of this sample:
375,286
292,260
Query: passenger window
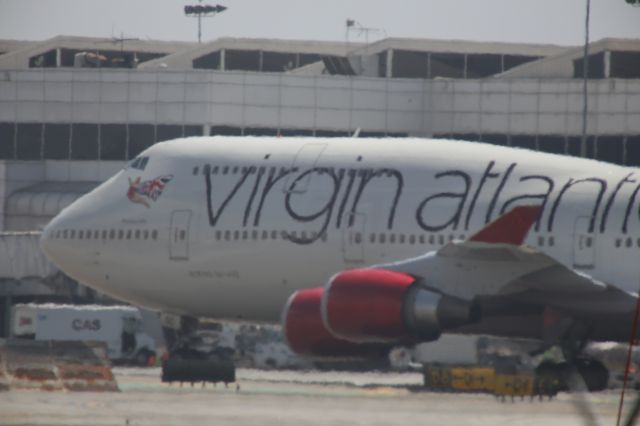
145,234
72,234
120,234
303,235
128,234
65,233
589,242
215,170
137,234
104,234
183,234
245,235
432,239
412,239
274,235
218,235
422,239
541,241
236,235
401,238
383,238
235,170
227,235
440,239
225,170
154,234
80,234
629,242
254,234
358,238
372,238
195,170
618,242
552,241
284,235
112,234
96,234
265,235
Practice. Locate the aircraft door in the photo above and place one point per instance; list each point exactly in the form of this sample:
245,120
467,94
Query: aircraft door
353,238
584,244
179,235
307,157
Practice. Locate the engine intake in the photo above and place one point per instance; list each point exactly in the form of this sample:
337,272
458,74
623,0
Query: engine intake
306,334
382,306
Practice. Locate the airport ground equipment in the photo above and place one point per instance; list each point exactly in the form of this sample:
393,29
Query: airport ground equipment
119,327
500,381
55,366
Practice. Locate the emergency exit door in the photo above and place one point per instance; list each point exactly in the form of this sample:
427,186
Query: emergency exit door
179,235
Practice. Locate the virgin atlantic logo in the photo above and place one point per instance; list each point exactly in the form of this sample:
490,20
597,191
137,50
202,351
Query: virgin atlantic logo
143,192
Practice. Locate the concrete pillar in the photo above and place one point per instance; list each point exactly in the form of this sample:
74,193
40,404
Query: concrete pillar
222,65
58,58
6,308
607,64
389,70
464,73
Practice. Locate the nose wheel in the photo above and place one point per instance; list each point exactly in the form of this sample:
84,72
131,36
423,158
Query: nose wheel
189,360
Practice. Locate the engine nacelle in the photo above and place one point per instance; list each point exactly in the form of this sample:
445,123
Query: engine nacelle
306,334
381,306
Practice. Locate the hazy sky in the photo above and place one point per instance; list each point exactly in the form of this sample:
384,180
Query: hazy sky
539,21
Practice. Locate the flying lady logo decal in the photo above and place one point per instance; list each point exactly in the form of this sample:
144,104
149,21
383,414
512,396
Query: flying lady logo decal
142,191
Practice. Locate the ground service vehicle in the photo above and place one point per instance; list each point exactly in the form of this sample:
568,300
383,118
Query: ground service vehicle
120,327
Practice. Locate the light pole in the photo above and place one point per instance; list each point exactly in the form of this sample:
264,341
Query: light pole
585,77
202,11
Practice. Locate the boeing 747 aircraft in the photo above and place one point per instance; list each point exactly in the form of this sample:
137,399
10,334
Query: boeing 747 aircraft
362,244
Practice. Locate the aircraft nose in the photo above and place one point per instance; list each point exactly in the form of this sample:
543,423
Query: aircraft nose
54,240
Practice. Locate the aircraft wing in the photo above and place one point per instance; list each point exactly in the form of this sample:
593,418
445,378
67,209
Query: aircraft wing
490,284
496,270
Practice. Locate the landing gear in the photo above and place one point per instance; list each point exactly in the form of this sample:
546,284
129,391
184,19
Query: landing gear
190,359
561,376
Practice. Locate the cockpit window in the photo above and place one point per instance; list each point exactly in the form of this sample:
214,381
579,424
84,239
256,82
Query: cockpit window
139,163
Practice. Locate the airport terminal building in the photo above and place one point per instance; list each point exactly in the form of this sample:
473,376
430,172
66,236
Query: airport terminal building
73,110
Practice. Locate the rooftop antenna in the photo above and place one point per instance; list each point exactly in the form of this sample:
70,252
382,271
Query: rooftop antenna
202,11
353,25
121,40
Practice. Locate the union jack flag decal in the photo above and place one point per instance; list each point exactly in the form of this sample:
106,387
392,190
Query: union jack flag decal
142,191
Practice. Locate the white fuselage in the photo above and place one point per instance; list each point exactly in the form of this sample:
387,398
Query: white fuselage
230,227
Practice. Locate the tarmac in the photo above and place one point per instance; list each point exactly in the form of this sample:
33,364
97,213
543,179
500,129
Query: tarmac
295,398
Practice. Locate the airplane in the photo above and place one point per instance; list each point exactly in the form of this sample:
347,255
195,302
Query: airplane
357,245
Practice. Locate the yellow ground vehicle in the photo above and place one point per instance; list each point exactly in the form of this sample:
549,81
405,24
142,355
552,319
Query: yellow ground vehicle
489,379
